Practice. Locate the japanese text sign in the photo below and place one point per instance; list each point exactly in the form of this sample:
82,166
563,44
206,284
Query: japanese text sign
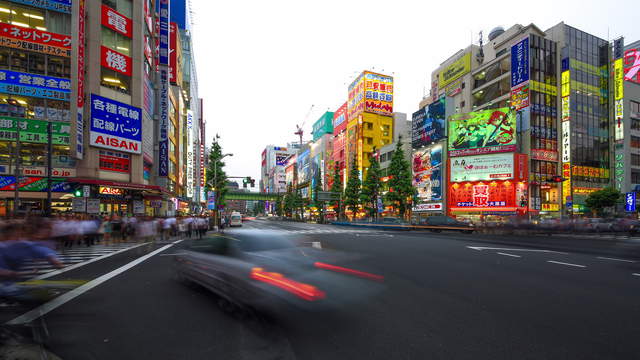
630,202
520,96
163,144
482,132
116,21
632,65
482,167
520,62
33,131
164,32
483,196
47,87
115,125
114,60
63,6
29,39
454,71
378,94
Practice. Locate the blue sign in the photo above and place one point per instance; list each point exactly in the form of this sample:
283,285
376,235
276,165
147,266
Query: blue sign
428,124
25,84
163,140
630,202
115,125
211,200
520,62
164,33
55,5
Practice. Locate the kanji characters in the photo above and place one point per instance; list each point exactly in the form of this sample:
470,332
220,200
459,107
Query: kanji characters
118,21
116,61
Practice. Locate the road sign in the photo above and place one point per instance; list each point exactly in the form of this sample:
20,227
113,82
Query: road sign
328,196
93,206
86,191
78,204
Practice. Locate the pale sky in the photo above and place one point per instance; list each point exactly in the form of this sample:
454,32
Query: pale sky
262,64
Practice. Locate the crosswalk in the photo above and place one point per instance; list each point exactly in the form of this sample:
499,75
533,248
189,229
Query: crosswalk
77,256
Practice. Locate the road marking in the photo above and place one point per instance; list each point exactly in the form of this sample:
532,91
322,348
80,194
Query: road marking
636,274
75,266
614,259
568,264
68,296
316,244
480,248
505,254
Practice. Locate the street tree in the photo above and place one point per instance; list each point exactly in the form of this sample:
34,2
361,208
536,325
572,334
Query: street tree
371,187
216,176
401,190
352,191
336,187
599,201
317,187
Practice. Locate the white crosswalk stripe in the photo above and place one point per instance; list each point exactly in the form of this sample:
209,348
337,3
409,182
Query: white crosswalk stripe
76,256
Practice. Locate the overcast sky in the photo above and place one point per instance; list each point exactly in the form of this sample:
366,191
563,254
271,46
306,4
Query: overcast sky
263,64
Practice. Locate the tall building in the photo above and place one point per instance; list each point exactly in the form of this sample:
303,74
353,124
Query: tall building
322,150
338,145
272,175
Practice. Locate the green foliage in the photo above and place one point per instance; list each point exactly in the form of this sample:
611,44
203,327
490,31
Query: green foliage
336,187
400,188
371,187
599,200
352,191
216,176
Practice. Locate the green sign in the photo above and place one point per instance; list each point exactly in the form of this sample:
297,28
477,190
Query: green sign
34,131
482,132
324,125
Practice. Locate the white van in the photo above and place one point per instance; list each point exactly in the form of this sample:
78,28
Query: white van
235,219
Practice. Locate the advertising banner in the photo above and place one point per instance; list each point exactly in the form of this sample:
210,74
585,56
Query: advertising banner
163,141
114,60
190,167
355,103
116,21
378,94
339,118
566,185
428,124
281,159
33,183
79,151
40,86
63,6
484,196
520,96
544,155
34,131
304,167
520,62
427,173
115,125
482,132
482,167
632,65
428,207
455,70
618,79
211,200
93,206
175,76
164,33
29,39
114,161
630,202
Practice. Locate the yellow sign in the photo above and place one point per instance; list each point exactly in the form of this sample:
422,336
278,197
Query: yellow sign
585,190
589,171
566,83
550,207
106,190
455,70
566,185
618,78
543,88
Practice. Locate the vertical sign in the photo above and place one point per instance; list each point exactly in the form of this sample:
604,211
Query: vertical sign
618,172
80,100
618,78
630,202
190,154
211,200
163,141
520,62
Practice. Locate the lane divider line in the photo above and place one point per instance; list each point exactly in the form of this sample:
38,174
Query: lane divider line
567,264
636,274
505,254
75,266
614,259
68,296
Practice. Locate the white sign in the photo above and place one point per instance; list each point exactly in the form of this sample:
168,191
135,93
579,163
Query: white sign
93,206
566,141
42,171
189,154
428,207
78,204
138,207
482,167
86,191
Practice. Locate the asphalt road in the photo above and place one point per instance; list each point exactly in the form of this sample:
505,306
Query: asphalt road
447,297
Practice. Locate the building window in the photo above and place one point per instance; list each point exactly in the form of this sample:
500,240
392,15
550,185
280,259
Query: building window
634,106
115,80
114,161
635,124
116,41
635,177
635,159
124,7
635,142
462,103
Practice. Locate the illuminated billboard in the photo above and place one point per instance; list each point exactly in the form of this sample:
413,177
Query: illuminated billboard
632,65
455,70
482,132
482,167
428,124
427,173
487,196
370,92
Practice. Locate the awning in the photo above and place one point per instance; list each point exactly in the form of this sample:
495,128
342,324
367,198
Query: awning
130,186
33,195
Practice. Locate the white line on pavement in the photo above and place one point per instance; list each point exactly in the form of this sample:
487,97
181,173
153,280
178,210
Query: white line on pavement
480,248
636,274
564,263
316,244
614,259
75,266
505,254
66,297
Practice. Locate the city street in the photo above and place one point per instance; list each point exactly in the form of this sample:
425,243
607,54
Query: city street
447,297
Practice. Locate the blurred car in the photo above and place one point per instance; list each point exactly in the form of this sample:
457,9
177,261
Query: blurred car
599,225
267,273
235,219
447,221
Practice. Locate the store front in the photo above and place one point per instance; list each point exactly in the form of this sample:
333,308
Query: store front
32,194
122,199
421,212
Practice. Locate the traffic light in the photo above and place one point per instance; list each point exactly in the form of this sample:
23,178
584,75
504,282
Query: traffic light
77,193
253,183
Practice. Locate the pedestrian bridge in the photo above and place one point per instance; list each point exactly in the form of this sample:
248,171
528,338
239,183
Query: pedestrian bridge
239,195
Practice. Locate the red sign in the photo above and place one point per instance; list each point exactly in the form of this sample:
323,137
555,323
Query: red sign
114,60
340,119
520,96
114,162
116,21
81,40
522,167
632,65
497,195
544,155
106,190
173,54
45,42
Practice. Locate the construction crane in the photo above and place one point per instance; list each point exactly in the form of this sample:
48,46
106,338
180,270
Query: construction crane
299,130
